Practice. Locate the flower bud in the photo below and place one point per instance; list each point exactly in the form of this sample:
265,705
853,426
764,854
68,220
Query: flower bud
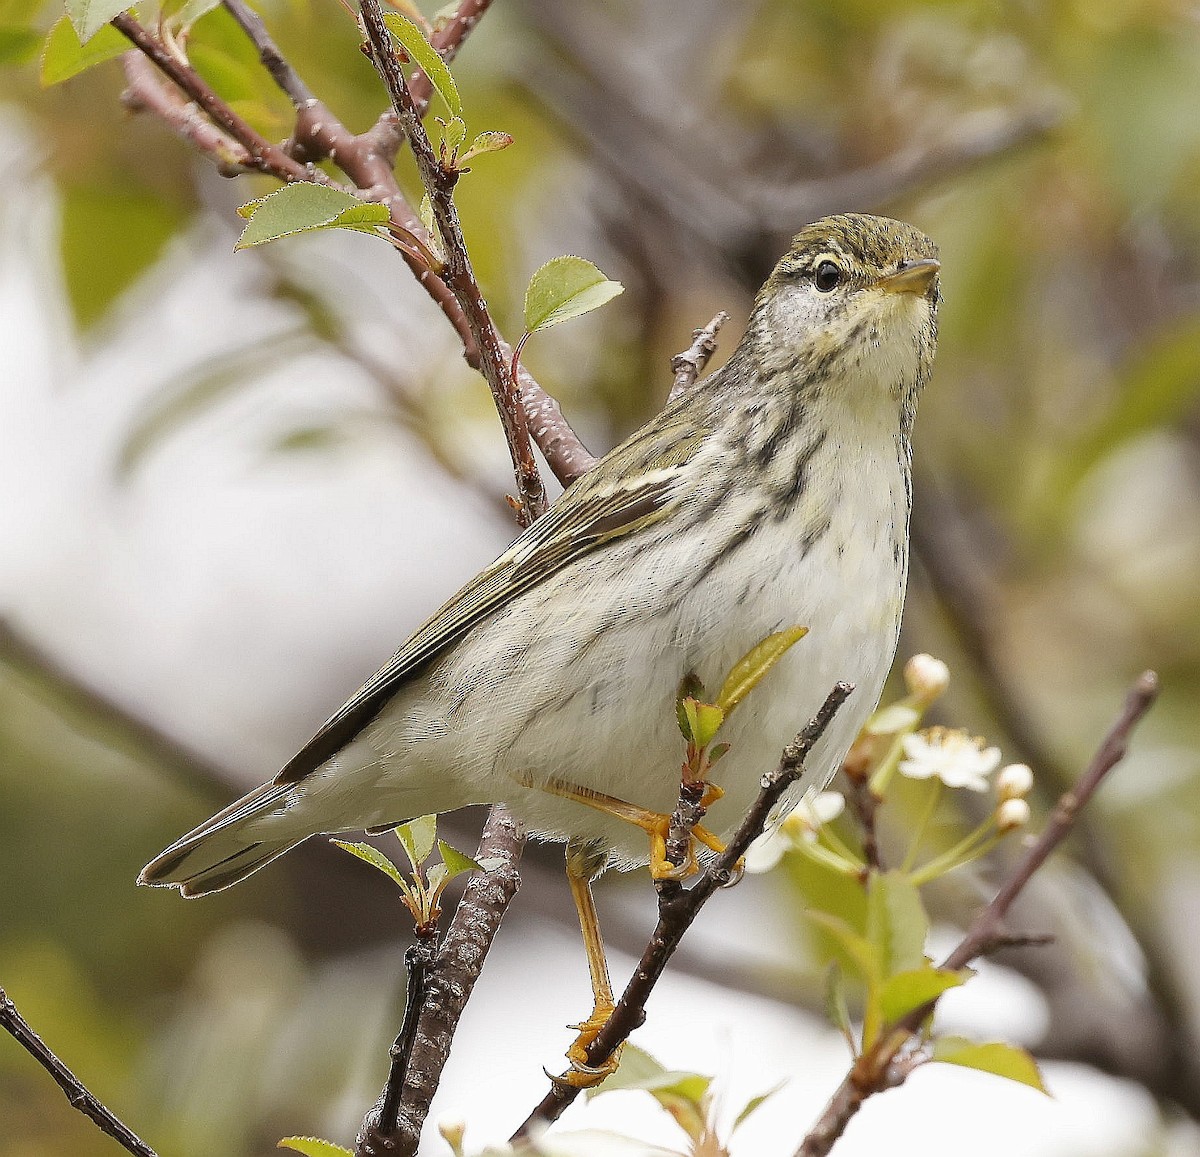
926,677
453,1129
1012,814
1014,781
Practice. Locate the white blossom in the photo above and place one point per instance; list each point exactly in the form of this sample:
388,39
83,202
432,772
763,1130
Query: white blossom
1012,813
926,677
1014,781
954,757
801,824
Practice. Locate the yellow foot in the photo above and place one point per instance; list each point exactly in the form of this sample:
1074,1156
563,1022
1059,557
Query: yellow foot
655,824
583,1075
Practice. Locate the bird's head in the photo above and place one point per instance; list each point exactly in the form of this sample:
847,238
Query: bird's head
852,305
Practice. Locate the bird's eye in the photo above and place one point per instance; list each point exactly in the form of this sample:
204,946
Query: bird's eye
827,276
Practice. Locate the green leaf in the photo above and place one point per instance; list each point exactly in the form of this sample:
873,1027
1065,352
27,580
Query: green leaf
64,56
18,44
703,721
690,687
486,143
836,1008
418,837
89,16
191,11
314,1147
456,862
426,58
749,670
374,857
682,1094
915,987
109,236
1004,1060
302,207
454,134
897,925
566,287
754,1104
857,948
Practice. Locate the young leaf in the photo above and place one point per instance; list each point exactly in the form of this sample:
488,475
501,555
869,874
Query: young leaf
89,16
858,949
913,988
749,670
64,56
314,1147
836,1008
566,287
426,58
454,134
991,1057
303,206
896,922
690,687
755,1103
707,723
418,837
682,1094
456,862
486,143
376,859
895,717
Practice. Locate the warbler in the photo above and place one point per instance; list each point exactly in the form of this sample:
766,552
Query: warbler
774,493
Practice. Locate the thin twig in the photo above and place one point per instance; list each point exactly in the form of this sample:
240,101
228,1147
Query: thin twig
145,92
448,985
418,960
689,365
386,135
79,1096
876,1069
439,181
263,156
866,803
678,907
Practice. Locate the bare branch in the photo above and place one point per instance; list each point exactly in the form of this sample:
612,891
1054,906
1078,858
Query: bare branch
284,75
678,907
145,92
876,1069
263,156
80,1098
448,985
689,365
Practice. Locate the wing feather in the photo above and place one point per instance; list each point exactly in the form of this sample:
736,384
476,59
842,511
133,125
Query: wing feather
590,513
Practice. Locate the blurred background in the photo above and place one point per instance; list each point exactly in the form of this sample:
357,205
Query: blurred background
233,483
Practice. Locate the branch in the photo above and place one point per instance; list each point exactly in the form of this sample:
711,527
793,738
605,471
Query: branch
80,1098
678,907
439,180
144,92
689,365
386,136
878,1068
448,985
263,156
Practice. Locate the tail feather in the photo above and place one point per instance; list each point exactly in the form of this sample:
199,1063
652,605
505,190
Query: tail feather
221,851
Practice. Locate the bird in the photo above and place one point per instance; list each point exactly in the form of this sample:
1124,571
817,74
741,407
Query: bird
774,493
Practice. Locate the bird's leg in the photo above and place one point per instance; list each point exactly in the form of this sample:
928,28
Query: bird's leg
656,824
584,863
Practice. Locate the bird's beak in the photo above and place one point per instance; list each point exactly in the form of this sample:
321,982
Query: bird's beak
915,277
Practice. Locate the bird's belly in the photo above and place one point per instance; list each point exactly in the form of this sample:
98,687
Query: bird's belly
592,702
